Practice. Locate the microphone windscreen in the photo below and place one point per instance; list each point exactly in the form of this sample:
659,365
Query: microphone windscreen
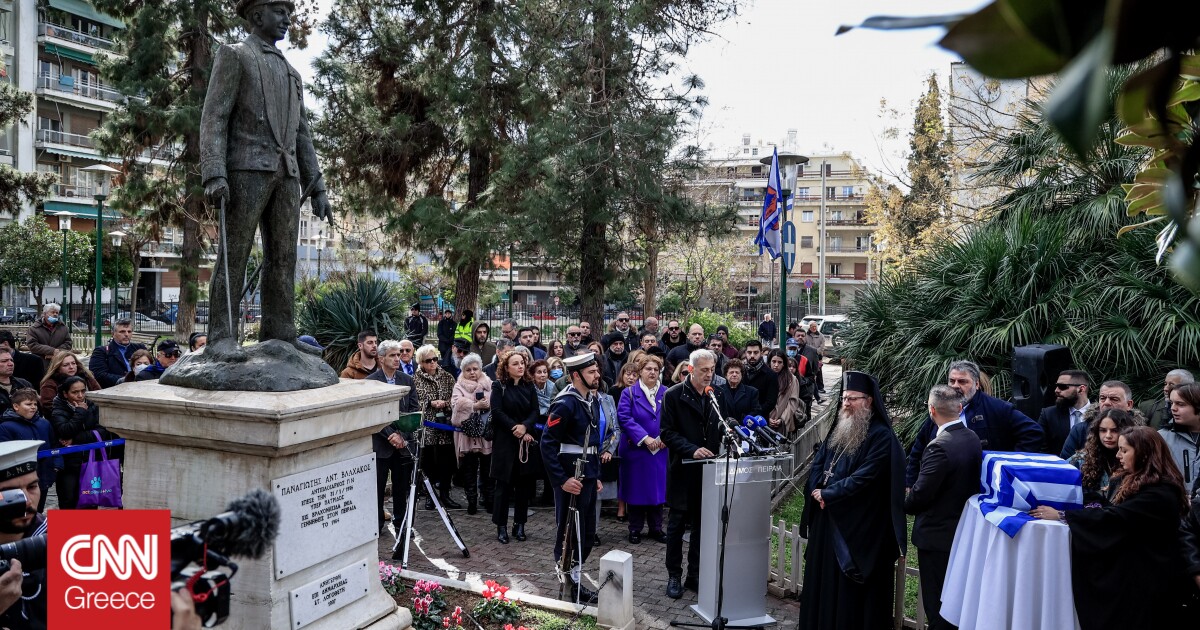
254,525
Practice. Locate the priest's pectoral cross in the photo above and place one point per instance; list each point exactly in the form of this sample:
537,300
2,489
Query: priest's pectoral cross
828,474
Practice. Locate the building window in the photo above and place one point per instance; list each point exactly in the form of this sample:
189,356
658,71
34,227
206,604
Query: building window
303,229
848,192
753,151
830,192
835,269
835,243
802,192
806,216
806,268
756,170
862,243
48,69
835,215
800,171
745,151
806,242
531,299
828,169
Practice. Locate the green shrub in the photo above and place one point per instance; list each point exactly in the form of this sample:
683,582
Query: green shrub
738,336
335,312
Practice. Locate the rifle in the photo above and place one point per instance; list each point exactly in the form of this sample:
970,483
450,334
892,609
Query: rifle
571,533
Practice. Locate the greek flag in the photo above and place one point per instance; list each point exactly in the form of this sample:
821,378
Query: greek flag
1014,483
770,222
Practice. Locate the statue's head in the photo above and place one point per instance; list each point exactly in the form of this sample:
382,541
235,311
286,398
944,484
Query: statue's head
269,19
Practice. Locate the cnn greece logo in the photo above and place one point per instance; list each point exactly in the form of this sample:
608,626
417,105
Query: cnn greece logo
121,558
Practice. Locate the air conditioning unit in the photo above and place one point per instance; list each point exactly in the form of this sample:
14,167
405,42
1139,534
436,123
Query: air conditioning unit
64,158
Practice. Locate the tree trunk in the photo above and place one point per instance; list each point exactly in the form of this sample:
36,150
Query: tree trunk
136,258
650,281
594,251
200,63
479,162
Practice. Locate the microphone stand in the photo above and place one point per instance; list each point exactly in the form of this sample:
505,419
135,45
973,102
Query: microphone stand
732,451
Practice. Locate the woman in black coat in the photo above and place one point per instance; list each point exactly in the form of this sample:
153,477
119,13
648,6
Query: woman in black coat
74,418
1126,559
741,400
514,419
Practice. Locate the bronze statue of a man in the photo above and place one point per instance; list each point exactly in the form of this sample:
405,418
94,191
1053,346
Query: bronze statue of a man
256,156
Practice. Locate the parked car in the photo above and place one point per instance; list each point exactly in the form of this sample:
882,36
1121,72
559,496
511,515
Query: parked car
832,326
140,321
17,315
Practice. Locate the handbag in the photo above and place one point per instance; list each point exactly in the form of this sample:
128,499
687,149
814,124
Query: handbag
477,425
100,481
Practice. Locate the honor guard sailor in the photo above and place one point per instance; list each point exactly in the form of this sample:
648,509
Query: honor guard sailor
575,428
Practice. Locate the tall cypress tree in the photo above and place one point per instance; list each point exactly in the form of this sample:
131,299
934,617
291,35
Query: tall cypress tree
167,55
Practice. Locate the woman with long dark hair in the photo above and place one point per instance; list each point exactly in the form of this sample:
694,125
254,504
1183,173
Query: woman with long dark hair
74,418
515,414
1098,458
1126,558
783,416
63,366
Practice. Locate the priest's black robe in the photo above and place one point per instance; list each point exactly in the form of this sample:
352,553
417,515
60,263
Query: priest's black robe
853,543
1127,561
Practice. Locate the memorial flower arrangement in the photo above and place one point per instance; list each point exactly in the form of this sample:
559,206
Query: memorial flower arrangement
496,605
390,576
428,604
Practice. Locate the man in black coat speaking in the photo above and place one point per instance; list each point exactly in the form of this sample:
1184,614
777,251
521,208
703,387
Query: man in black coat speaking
691,431
949,476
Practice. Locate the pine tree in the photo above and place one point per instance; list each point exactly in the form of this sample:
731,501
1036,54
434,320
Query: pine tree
167,54
911,222
17,188
608,148
433,97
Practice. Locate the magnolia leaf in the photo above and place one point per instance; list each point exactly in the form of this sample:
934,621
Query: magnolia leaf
1151,204
1190,91
1136,140
1137,191
1154,175
1189,67
893,23
997,45
1130,228
1080,102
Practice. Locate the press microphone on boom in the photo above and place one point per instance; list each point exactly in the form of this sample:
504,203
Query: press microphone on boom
746,437
751,423
765,427
730,434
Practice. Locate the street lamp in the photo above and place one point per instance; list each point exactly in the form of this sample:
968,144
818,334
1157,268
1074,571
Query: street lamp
116,241
64,226
788,164
104,173
320,249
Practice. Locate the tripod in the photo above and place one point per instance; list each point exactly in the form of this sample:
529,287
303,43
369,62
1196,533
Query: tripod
404,533
719,622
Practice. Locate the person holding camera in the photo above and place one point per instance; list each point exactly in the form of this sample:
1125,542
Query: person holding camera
22,594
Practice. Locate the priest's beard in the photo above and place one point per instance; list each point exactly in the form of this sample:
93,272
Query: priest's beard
851,430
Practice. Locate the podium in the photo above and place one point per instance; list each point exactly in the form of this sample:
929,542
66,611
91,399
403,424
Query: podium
747,543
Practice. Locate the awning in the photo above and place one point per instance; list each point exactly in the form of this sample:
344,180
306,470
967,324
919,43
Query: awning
83,155
86,10
63,51
82,209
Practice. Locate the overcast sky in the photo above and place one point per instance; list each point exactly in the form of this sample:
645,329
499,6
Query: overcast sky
778,66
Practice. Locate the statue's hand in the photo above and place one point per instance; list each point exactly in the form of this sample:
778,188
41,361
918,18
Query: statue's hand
216,191
321,207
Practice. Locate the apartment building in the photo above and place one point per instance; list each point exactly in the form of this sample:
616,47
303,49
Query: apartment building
738,175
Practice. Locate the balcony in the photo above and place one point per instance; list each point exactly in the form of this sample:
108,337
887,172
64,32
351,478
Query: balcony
74,192
69,35
847,250
65,138
66,86
816,174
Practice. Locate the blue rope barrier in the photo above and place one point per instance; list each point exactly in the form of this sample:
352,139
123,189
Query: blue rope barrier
67,450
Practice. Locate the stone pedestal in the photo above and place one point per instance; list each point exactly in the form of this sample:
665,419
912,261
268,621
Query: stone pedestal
192,451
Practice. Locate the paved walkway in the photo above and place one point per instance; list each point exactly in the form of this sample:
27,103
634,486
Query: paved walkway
529,567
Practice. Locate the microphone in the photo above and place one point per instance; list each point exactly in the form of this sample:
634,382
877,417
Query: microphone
247,527
755,448
730,434
712,398
760,424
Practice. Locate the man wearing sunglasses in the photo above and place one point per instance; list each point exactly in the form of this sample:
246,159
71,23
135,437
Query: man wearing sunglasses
621,325
168,354
574,344
1070,402
673,338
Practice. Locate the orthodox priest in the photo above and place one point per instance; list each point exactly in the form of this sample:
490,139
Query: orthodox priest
854,516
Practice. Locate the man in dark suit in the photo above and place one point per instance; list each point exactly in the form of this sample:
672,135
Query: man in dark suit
949,475
256,153
691,431
1070,402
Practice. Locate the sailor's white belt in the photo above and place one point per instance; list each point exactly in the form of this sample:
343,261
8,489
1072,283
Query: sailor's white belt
575,449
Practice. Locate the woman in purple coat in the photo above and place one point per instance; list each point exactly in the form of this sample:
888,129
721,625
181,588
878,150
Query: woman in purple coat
643,480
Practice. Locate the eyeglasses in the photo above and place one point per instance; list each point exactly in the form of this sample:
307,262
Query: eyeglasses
405,350
622,319
574,334
1062,386
432,360
854,398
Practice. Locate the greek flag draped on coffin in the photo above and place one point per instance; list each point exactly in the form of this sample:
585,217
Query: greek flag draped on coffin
1014,483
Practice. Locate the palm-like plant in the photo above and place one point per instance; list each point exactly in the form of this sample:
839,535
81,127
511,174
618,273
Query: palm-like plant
1046,269
335,313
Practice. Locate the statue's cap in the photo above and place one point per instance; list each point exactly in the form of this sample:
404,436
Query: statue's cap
244,6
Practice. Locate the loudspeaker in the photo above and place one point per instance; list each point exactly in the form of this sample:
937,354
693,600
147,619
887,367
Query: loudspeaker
1035,371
